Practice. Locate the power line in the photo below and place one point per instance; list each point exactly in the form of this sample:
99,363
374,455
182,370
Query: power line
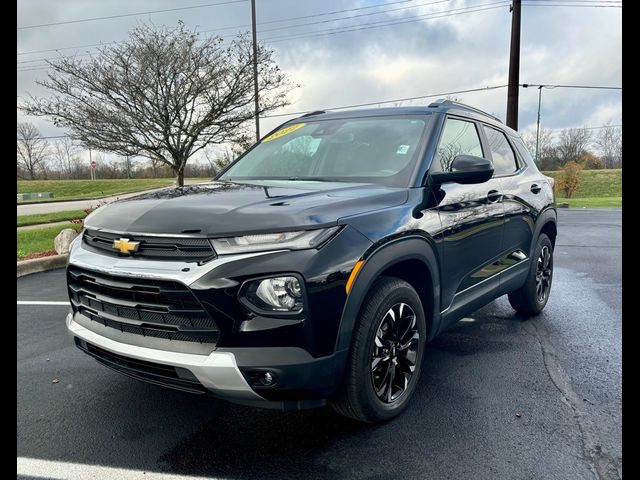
406,99
368,104
354,16
350,28
107,17
417,18
267,30
346,29
546,85
321,14
535,4
577,1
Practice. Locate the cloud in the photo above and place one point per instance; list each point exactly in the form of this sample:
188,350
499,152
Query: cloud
560,45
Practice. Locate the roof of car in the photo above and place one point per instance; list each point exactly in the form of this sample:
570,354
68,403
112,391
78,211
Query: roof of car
439,106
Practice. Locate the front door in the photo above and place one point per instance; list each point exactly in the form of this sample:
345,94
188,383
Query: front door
472,219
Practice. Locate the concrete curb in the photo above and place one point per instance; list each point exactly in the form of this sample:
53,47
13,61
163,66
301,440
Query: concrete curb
35,265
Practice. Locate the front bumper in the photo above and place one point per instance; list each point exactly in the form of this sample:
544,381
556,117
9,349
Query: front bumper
217,372
301,380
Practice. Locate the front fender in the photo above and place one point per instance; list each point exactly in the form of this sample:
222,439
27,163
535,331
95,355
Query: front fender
414,247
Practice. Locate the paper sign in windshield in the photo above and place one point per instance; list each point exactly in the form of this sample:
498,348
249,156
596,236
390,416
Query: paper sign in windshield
283,132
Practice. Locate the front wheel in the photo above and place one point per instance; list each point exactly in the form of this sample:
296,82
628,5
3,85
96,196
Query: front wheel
532,297
384,362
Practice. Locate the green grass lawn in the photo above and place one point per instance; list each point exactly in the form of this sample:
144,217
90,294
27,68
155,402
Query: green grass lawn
86,189
592,202
598,188
40,218
41,240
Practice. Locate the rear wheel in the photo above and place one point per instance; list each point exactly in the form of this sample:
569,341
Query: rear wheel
384,362
532,297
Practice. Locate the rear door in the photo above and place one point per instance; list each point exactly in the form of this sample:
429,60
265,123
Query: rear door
520,187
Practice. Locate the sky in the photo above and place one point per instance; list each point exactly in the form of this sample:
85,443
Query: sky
560,45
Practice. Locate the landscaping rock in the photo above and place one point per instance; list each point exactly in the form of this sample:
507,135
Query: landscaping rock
63,240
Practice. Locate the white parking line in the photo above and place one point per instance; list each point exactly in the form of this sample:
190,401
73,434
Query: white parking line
34,467
29,302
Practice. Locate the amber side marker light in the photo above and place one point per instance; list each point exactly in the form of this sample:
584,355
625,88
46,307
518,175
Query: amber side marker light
354,274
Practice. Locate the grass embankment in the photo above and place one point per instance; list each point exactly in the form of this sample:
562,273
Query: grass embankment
88,189
40,218
31,242
598,188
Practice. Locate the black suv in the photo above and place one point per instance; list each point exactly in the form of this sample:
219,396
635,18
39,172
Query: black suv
317,266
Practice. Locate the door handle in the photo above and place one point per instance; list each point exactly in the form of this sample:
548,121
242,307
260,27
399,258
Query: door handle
535,188
493,196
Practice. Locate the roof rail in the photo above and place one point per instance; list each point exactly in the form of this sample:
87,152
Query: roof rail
443,101
316,112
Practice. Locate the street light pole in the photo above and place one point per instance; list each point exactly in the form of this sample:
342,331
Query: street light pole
538,124
255,68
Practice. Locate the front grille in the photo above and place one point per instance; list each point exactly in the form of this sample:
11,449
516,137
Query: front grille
159,248
165,375
154,308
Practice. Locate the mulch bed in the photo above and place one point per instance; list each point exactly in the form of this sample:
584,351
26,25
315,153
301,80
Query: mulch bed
48,253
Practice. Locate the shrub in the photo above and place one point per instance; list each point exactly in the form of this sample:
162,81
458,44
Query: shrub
569,180
590,162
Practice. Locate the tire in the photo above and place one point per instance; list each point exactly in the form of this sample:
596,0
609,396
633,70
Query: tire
529,300
364,394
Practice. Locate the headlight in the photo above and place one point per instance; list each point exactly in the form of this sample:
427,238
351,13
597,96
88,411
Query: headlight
276,294
273,241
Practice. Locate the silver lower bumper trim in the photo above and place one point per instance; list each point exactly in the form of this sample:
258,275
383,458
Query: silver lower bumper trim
217,371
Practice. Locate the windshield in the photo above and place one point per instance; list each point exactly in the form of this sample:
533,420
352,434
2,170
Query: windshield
368,150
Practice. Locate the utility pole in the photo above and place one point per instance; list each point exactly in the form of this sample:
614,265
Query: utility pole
538,124
514,66
540,87
255,67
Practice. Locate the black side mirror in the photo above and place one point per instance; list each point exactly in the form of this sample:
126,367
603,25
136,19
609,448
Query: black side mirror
465,169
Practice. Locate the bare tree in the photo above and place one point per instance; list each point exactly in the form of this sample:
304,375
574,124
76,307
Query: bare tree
155,163
32,151
547,148
163,93
66,154
572,144
217,162
609,141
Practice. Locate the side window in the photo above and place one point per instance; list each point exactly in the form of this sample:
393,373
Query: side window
522,149
458,137
504,160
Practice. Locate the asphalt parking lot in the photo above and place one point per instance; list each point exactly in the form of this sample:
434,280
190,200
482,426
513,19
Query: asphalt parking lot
499,397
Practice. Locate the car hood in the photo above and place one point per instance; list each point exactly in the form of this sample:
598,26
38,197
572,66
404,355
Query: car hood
230,208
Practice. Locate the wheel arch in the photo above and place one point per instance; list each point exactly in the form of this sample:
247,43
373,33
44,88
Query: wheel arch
412,259
546,223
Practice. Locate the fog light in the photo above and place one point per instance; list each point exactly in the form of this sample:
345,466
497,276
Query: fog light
267,378
279,294
261,378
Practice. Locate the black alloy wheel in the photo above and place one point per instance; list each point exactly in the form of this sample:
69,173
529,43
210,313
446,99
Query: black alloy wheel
544,271
395,350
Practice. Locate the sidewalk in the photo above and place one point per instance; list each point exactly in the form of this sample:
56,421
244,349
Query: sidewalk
41,225
34,208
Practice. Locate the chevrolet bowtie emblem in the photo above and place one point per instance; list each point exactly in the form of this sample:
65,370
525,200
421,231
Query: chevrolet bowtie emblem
125,246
